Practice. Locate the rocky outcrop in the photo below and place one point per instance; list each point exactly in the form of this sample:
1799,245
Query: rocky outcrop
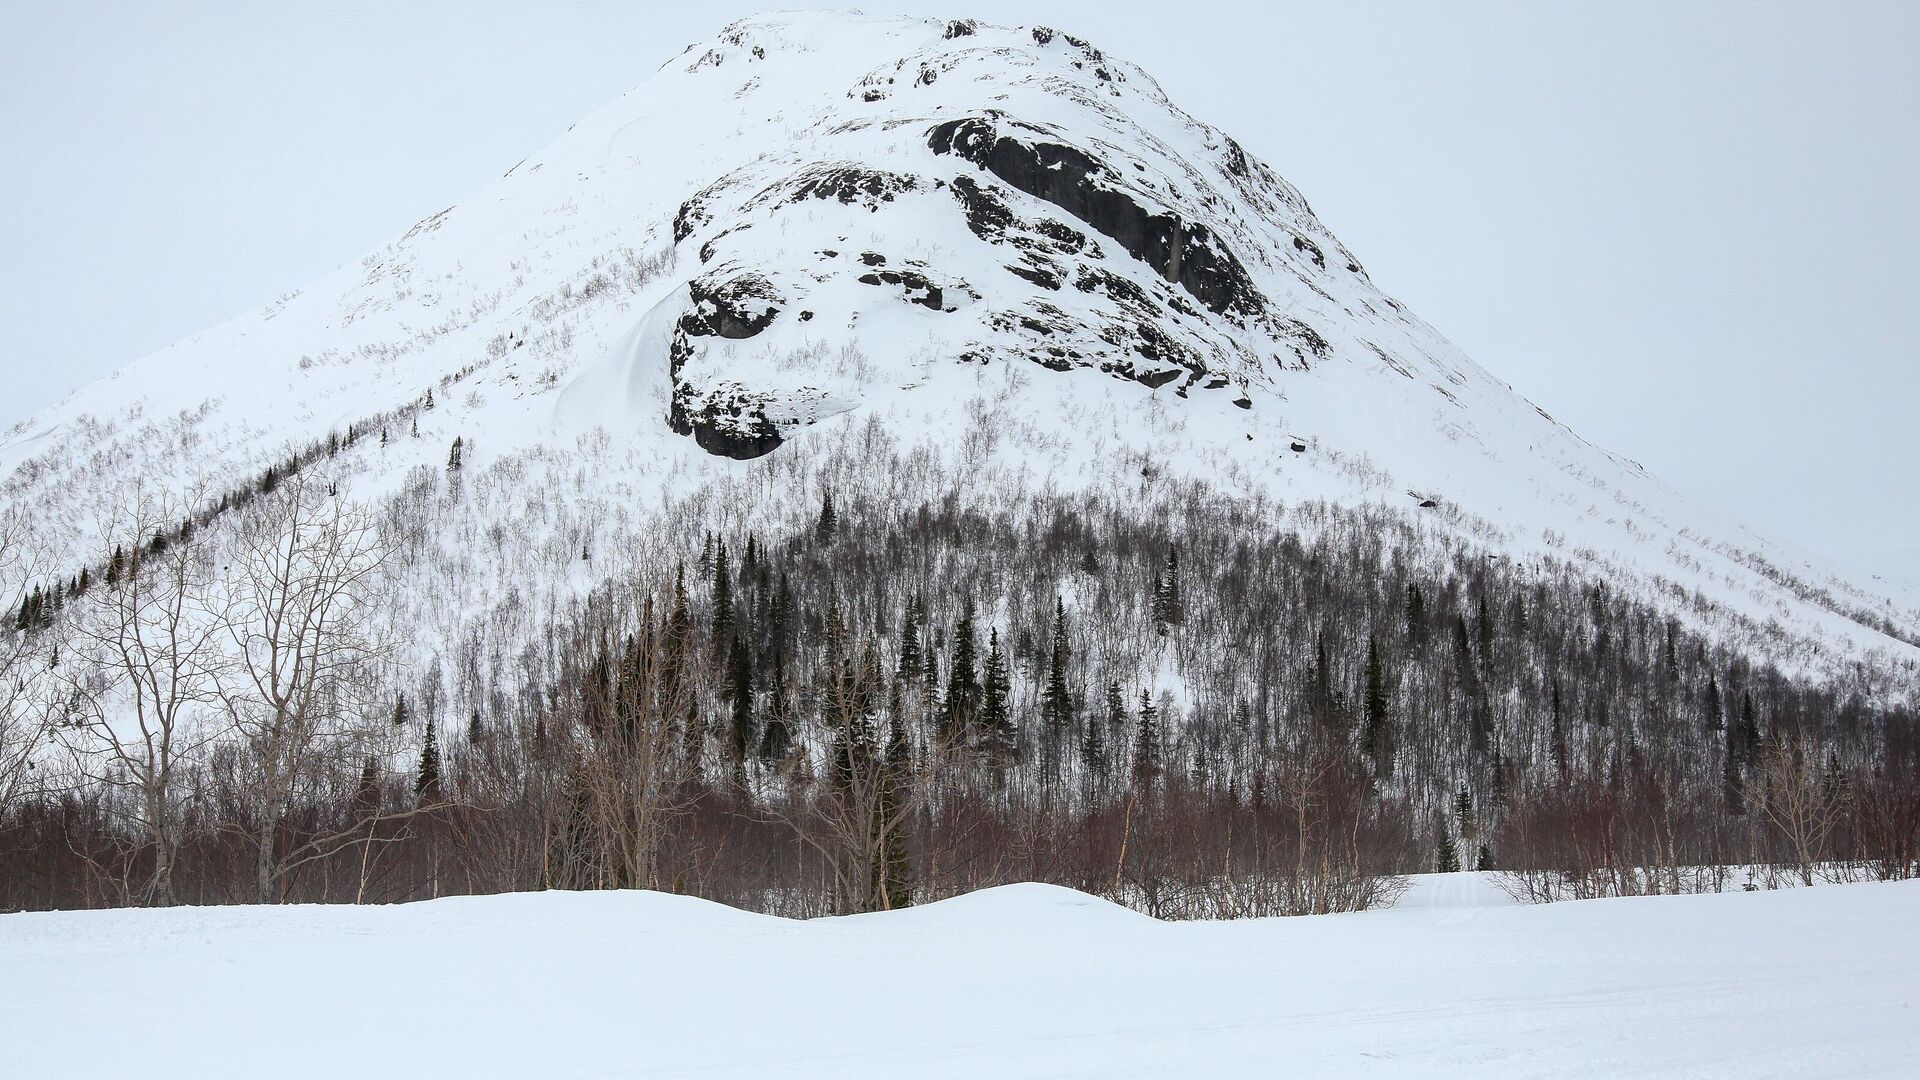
1185,253
726,418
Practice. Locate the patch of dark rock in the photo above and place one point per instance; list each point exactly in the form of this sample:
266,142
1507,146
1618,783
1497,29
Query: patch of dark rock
960,28
1236,158
850,184
1047,277
1245,403
692,215
1298,447
1305,337
986,215
910,282
740,430
1301,243
873,258
1185,253
1043,35
1065,237
736,308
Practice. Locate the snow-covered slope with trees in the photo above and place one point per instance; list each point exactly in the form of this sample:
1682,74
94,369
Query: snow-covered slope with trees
1022,981
998,244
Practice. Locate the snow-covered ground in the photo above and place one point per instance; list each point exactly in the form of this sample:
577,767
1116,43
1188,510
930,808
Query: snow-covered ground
1023,981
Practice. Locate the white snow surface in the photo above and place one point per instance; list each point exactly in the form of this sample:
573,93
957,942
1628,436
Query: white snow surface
1018,981
541,313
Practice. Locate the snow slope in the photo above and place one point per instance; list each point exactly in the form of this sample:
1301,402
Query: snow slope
996,241
1020,981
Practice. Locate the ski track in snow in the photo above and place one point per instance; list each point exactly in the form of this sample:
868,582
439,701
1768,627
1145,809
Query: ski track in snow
1020,981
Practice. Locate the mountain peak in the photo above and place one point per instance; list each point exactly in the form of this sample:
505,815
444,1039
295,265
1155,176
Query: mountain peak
1000,243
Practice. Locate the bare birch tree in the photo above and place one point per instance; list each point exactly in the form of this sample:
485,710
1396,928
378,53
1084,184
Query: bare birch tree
24,721
147,656
305,645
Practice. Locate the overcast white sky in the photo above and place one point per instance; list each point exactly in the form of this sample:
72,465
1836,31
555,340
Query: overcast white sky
1680,228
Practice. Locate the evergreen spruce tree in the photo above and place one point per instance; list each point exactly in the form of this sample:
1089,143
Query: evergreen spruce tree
776,736
997,736
454,455
1713,709
1416,614
722,595
475,730
960,711
1463,815
1484,861
908,667
1146,745
1447,860
740,696
401,714
1056,704
1093,750
1374,740
426,785
829,523
896,774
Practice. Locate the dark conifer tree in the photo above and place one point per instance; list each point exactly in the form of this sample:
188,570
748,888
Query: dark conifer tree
829,522
776,734
740,696
1447,860
960,711
1374,739
896,775
997,735
426,784
1146,744
1056,701
722,595
908,668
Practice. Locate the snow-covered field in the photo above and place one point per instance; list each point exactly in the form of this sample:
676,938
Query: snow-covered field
1023,981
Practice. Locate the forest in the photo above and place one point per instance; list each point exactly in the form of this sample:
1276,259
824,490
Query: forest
1199,705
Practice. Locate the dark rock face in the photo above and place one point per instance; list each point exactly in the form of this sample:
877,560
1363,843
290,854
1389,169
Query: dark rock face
737,428
737,308
918,289
1187,254
731,421
849,184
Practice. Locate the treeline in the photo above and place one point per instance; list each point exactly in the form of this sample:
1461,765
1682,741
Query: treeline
1192,704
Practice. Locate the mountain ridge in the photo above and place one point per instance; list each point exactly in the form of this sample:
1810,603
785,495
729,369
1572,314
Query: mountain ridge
982,236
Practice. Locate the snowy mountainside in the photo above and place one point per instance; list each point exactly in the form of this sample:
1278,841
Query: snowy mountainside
999,244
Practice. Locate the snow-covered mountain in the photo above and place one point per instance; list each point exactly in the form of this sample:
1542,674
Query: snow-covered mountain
999,244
